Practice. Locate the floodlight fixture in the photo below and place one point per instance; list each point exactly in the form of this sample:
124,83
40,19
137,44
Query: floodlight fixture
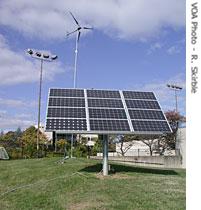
38,54
175,88
42,57
54,57
30,51
46,56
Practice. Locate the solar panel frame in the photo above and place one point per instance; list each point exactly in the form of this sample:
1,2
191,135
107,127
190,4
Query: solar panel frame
113,96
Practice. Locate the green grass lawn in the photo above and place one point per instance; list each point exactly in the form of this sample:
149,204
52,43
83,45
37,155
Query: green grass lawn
76,184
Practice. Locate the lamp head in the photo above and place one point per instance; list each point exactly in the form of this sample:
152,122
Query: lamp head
30,51
54,57
38,54
46,56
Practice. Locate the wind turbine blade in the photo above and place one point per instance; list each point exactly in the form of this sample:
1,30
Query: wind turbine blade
78,36
88,28
74,19
71,32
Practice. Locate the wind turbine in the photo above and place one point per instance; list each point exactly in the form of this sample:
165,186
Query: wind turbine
78,31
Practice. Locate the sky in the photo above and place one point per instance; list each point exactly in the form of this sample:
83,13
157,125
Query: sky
135,45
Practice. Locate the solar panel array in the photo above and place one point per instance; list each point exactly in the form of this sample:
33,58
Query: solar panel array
104,111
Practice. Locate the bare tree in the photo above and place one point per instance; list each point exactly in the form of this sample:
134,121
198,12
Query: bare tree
167,142
126,142
151,144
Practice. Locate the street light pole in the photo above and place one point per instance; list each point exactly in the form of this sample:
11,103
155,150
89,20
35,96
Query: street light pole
176,102
42,57
175,88
39,103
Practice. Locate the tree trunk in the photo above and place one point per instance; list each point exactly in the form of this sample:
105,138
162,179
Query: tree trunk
151,152
121,148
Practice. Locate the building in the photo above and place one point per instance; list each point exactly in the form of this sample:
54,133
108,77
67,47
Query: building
181,143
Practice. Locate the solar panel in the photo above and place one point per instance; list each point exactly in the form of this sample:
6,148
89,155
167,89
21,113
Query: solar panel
66,112
139,95
112,103
104,111
69,102
146,114
109,125
150,126
140,104
67,124
67,92
107,113
103,94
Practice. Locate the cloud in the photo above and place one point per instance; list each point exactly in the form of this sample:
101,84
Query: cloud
16,103
154,47
174,50
177,47
11,123
2,112
16,68
23,116
125,19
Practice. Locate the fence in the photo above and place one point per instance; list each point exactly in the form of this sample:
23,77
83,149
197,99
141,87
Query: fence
156,161
138,153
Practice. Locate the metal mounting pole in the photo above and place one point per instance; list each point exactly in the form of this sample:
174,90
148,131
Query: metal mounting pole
39,105
71,149
75,64
176,103
105,155
75,81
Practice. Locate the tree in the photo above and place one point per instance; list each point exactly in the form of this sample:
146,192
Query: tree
63,145
97,147
126,142
18,133
1,133
168,141
11,144
150,142
80,150
9,136
28,142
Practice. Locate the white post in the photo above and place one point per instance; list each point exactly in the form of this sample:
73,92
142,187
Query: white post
75,64
71,149
105,155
